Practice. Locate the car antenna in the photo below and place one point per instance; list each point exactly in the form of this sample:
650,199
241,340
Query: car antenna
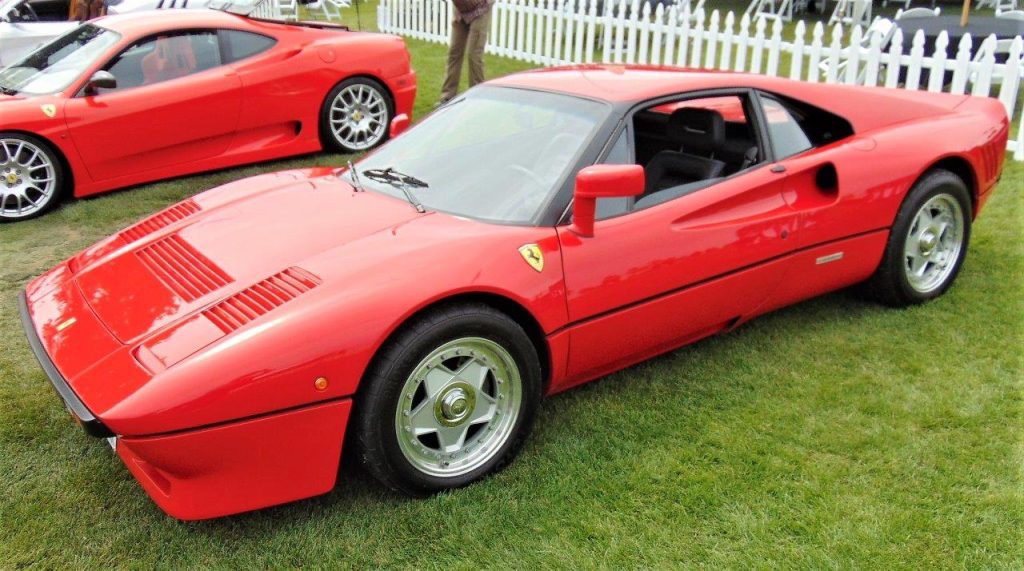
355,177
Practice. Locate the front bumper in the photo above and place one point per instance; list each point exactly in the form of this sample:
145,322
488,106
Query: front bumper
222,469
92,425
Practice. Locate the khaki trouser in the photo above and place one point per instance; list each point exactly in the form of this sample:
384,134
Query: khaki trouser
474,36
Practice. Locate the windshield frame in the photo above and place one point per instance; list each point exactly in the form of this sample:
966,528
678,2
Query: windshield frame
98,62
548,211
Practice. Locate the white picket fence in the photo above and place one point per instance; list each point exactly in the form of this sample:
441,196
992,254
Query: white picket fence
560,32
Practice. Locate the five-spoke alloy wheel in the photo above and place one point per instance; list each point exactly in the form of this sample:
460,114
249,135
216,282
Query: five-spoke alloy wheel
448,401
30,177
356,116
928,241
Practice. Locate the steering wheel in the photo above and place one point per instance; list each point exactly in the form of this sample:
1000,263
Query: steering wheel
27,14
518,200
529,174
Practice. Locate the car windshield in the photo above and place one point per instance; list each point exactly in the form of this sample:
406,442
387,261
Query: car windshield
497,154
56,65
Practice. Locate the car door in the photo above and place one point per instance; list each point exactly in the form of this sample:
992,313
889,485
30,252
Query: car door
175,103
653,279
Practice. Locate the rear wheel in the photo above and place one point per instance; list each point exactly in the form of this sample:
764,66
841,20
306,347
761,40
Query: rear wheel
356,116
928,242
31,177
449,401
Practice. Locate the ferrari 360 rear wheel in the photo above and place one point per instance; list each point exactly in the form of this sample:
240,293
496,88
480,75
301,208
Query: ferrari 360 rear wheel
356,115
449,401
30,177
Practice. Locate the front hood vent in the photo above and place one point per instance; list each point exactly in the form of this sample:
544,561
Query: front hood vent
160,220
182,268
260,298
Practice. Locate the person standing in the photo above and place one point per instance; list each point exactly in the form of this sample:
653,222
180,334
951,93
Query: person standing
469,30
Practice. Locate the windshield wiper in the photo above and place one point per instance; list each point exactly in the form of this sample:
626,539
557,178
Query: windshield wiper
401,182
391,175
354,175
8,90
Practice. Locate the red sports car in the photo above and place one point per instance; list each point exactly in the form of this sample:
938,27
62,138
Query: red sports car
129,99
540,231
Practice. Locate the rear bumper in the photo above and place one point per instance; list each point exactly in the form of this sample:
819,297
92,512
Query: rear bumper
92,425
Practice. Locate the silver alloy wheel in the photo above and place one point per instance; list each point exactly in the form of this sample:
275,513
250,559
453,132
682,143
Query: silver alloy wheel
28,178
933,243
359,116
458,407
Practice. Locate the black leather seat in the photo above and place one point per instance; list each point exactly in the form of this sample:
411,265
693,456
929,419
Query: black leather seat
700,133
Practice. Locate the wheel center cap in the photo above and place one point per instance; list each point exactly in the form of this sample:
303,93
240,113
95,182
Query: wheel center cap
357,115
927,243
454,404
11,178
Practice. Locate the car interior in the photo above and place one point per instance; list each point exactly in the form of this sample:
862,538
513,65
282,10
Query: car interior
165,57
689,145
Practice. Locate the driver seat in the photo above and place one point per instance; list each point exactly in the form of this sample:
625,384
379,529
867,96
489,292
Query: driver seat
172,57
700,133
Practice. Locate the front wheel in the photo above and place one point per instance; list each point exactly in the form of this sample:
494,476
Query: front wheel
928,242
31,177
449,401
355,116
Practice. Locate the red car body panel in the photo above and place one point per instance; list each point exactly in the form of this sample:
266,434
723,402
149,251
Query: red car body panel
263,107
197,336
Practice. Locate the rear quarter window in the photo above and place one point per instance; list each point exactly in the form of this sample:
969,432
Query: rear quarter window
237,45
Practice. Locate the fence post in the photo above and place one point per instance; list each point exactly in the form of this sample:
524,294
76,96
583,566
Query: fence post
937,72
659,31
591,24
727,39
853,56
874,56
983,74
742,44
796,62
1011,77
684,37
645,33
916,58
755,60
834,50
774,47
962,67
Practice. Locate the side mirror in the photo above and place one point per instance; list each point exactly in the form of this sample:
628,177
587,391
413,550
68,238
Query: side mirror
100,80
602,181
399,124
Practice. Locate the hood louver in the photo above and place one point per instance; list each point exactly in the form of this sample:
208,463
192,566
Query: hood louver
260,298
182,268
159,220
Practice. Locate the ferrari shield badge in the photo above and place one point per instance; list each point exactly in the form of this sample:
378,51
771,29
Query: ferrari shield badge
49,110
533,256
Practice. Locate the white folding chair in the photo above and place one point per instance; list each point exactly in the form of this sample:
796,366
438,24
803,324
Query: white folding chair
917,13
288,9
996,48
852,12
332,9
883,28
1011,15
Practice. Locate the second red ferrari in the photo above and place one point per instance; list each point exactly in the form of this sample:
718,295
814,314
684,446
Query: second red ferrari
129,99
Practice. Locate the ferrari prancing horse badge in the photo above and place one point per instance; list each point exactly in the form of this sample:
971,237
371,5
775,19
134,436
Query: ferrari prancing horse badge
49,110
533,256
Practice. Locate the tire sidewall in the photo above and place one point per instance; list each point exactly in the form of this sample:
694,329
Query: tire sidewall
58,169
327,139
379,409
940,182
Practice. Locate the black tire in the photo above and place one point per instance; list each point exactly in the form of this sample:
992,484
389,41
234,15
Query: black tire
332,141
378,404
891,284
15,149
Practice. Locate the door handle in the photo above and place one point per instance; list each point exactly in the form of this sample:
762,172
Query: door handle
778,169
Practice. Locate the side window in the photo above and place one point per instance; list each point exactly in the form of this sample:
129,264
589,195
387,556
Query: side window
787,137
617,155
165,57
237,45
795,127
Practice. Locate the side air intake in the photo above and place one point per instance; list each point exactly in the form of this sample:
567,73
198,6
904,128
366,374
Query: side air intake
261,298
159,220
182,268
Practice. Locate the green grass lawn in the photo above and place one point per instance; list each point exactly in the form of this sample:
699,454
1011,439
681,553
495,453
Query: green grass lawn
836,433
